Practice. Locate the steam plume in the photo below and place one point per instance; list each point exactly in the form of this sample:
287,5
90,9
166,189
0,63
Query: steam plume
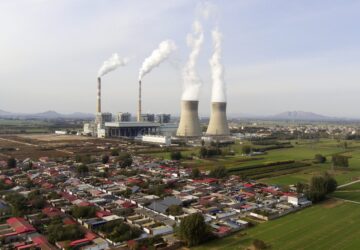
111,64
192,81
217,69
157,57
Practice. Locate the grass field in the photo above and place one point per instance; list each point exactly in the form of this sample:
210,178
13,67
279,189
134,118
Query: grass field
331,225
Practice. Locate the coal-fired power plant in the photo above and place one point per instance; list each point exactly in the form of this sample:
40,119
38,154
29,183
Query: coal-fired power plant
139,104
98,104
189,125
218,125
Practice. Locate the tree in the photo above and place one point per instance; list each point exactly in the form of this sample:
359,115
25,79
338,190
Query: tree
11,162
203,152
83,212
105,159
176,155
115,152
82,169
175,210
319,158
340,161
320,186
218,172
193,229
195,173
300,187
246,149
124,159
330,182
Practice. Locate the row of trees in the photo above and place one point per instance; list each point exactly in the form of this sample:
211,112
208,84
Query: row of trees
337,160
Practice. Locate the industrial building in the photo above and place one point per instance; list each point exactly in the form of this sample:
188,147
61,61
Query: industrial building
122,117
148,125
163,118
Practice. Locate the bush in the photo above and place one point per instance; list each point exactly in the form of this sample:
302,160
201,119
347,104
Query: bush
11,162
246,149
105,159
83,212
176,155
124,159
259,244
340,161
319,158
218,172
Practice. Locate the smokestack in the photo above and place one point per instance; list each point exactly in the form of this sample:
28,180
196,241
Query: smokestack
98,107
218,124
189,125
139,104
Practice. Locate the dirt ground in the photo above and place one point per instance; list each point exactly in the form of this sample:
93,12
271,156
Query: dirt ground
55,138
53,146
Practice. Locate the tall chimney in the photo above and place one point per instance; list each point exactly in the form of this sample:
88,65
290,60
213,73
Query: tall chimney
189,125
139,104
98,107
218,124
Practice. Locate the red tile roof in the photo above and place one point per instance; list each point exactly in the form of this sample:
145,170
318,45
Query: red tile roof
78,242
20,225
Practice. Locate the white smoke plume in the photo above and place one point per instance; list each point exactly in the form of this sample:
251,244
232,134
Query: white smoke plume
217,69
192,81
157,57
111,64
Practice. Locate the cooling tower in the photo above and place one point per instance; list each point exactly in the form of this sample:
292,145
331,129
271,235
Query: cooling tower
218,124
189,125
98,106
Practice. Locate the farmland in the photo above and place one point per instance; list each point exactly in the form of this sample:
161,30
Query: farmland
331,225
301,154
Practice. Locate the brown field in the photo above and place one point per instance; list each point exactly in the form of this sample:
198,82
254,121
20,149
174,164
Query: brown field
53,146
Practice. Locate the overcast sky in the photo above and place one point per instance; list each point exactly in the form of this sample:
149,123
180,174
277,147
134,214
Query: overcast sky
278,55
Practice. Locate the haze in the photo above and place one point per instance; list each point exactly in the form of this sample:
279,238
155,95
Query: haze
278,55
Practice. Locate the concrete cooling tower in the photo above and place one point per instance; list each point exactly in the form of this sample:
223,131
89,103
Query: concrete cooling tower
189,125
218,124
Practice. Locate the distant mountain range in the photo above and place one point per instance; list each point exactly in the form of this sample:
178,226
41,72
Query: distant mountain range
301,115
51,115
292,116
288,115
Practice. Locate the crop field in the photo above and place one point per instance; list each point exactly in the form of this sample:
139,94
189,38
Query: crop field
331,225
302,153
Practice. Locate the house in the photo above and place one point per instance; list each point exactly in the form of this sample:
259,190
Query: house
14,228
161,206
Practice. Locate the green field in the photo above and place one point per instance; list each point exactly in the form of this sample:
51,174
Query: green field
303,151
332,225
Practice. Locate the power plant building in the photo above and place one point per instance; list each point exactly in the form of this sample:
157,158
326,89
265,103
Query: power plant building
123,117
163,118
147,118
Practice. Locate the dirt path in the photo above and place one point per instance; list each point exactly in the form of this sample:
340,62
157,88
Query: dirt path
355,202
19,142
348,184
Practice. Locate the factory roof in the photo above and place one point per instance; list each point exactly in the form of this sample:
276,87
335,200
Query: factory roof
131,124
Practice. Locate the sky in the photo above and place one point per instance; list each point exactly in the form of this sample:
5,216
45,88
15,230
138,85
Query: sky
278,55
